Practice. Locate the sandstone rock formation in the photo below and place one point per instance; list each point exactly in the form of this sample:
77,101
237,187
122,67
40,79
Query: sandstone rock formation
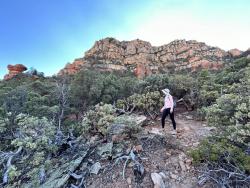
235,52
72,68
14,70
144,59
142,70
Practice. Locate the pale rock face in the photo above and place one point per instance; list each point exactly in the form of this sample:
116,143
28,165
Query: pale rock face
130,50
235,52
144,59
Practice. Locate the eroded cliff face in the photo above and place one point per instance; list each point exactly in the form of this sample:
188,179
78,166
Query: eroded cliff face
144,59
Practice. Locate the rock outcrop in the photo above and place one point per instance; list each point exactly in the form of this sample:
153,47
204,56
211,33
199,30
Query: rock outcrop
72,68
144,59
14,70
235,52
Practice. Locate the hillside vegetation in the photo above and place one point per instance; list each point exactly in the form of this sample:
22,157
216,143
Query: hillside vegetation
41,117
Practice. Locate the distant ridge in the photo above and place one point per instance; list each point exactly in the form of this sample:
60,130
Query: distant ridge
144,59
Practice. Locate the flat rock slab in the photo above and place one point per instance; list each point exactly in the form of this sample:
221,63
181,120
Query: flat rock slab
59,177
122,124
105,150
94,169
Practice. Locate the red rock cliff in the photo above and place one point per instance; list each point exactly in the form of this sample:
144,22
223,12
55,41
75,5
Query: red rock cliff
144,59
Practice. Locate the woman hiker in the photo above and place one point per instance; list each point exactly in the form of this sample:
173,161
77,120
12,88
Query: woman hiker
168,108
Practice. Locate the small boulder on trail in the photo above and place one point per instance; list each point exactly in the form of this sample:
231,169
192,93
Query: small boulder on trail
157,180
124,126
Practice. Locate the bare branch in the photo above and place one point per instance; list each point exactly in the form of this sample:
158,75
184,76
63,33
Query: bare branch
10,156
129,157
224,174
76,176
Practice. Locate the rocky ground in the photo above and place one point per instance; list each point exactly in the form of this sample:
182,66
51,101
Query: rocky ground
159,152
151,158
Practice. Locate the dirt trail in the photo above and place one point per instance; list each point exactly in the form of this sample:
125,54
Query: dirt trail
168,157
178,166
189,130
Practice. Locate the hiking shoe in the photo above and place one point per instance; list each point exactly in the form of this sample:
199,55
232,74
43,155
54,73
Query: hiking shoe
173,132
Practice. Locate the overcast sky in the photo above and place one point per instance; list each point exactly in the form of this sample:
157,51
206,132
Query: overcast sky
46,34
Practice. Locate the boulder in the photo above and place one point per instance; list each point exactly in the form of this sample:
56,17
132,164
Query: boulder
124,124
157,180
188,161
117,130
173,176
138,148
95,168
235,52
14,70
182,165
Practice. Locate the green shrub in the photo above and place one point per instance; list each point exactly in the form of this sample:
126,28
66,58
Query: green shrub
36,134
150,102
214,149
13,173
155,82
129,121
201,113
36,137
181,85
98,119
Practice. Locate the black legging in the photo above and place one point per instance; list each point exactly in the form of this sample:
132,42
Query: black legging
164,115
